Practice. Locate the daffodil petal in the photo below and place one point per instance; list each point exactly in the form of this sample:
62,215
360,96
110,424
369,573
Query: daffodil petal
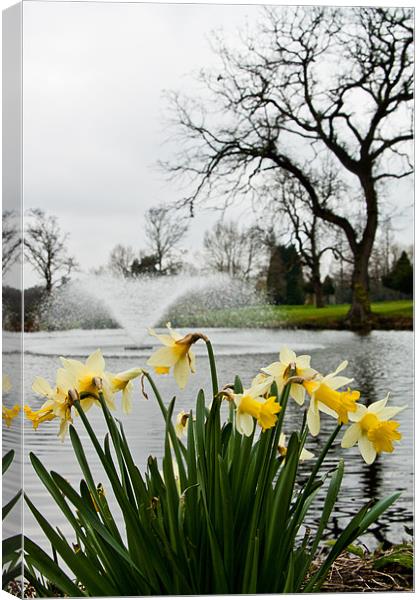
358,413
306,455
303,361
127,401
182,372
297,392
164,338
313,418
42,387
351,435
244,424
164,357
337,382
375,407
96,362
287,356
367,450
388,412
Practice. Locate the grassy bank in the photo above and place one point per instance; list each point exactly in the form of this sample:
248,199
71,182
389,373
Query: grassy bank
387,315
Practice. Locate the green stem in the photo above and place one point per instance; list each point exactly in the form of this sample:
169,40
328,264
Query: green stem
212,368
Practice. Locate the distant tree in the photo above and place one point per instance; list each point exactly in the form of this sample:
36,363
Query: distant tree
164,229
120,260
146,265
232,250
11,240
312,237
400,278
46,250
328,288
285,283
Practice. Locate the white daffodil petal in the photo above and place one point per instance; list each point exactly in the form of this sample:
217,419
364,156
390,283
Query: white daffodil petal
337,382
389,411
164,357
42,387
351,435
367,450
297,392
275,369
313,419
127,398
287,356
164,338
65,380
306,455
358,413
244,424
303,361
191,360
182,372
174,334
96,362
261,378
327,410
375,407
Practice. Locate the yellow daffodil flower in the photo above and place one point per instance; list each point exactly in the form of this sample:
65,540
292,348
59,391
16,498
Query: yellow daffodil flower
372,430
280,372
325,397
181,423
58,404
8,414
282,447
123,382
252,405
85,375
176,353
39,416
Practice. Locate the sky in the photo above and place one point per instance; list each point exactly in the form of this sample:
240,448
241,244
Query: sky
95,114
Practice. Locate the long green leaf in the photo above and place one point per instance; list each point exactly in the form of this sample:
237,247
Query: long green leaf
7,460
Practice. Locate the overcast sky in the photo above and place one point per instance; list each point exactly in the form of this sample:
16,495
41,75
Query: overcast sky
94,114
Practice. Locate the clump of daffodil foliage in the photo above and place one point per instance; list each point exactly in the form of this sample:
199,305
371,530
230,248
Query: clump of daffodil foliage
225,511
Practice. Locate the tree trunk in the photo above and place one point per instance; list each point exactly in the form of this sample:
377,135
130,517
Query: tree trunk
360,315
317,285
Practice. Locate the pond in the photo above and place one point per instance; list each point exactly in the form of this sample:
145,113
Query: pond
379,362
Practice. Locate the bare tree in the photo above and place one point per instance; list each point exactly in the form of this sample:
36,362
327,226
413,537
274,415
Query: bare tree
46,250
232,250
164,230
11,240
312,82
312,237
121,259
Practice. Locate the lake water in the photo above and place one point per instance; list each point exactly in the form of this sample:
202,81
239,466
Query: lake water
379,362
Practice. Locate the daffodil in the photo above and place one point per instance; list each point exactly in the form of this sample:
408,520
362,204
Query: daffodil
58,402
39,416
8,414
181,423
123,382
280,372
325,397
282,448
372,430
252,405
87,376
176,353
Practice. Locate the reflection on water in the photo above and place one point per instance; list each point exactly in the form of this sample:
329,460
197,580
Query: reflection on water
379,362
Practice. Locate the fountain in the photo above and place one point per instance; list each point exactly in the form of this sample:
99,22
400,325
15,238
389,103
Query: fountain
115,313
